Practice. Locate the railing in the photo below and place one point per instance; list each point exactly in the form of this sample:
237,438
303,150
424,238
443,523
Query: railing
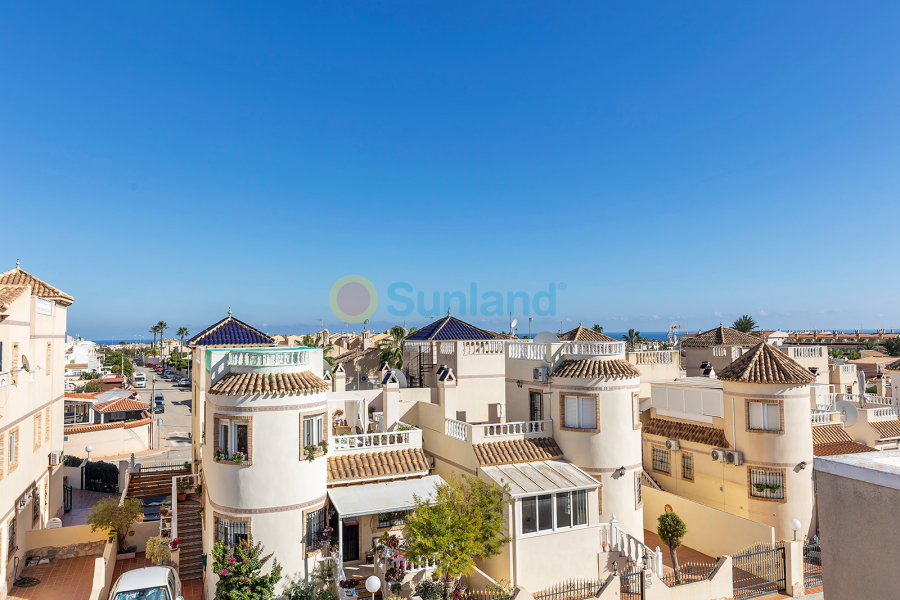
374,440
719,350
458,430
806,352
162,466
415,346
886,413
848,368
528,351
268,359
689,573
647,480
823,417
448,347
862,399
571,589
194,478
341,576
483,347
613,539
517,428
654,357
594,348
883,400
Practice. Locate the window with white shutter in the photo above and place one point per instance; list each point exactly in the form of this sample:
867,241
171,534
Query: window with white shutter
764,416
580,412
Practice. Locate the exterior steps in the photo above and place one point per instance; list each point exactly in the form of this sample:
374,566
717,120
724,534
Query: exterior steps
152,484
190,539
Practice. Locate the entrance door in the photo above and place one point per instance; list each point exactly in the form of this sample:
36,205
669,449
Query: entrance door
536,409
351,542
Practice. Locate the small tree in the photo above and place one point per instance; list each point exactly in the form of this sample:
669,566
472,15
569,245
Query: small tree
109,514
240,572
598,328
158,549
463,524
671,530
745,324
892,345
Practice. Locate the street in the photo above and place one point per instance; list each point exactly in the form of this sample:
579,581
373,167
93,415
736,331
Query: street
176,419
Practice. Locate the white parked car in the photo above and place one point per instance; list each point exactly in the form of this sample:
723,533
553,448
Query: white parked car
149,583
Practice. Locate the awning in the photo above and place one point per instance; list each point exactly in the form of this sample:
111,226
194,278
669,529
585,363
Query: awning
374,498
540,477
343,397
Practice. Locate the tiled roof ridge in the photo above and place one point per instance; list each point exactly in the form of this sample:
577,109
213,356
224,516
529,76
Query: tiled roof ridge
39,288
230,320
766,365
245,384
687,432
590,368
894,366
380,464
583,334
720,336
508,452
118,404
9,293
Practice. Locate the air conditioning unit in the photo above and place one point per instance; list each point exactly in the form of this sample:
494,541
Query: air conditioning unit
672,445
733,457
55,458
541,373
718,454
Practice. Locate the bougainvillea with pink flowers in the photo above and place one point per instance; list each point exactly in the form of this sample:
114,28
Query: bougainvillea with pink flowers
240,573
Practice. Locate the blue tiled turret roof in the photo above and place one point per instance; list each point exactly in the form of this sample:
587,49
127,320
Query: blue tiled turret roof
230,332
451,328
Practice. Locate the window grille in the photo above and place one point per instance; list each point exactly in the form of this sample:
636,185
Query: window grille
766,484
11,538
661,460
390,519
36,507
231,533
315,530
687,466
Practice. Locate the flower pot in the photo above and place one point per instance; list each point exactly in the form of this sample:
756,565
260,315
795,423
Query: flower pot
182,497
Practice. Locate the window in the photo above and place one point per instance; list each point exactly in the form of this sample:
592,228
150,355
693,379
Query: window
638,497
37,431
36,507
10,538
661,460
47,425
47,493
687,466
390,519
315,530
849,389
764,416
231,533
234,436
13,452
536,409
554,511
312,430
766,484
49,358
14,367
580,412
635,411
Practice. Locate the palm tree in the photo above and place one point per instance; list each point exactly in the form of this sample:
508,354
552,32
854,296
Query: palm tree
154,330
182,331
836,353
598,328
745,324
870,345
392,348
162,334
311,342
633,337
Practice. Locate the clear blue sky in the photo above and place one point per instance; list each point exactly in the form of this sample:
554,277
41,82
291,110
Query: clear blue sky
664,162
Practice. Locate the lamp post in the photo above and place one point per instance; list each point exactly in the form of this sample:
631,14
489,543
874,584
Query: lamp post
795,525
373,584
89,449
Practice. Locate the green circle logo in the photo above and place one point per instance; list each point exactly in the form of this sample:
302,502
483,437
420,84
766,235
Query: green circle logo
353,299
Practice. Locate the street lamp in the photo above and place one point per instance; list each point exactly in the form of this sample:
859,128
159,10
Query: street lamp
795,525
373,584
89,449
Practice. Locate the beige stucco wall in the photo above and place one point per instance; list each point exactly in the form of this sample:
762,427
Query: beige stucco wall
858,528
108,442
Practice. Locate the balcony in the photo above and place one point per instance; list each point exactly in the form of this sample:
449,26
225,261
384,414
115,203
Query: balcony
277,358
653,357
396,440
593,348
475,434
527,351
825,417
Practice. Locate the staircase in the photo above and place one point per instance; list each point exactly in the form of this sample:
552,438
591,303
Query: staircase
190,543
144,485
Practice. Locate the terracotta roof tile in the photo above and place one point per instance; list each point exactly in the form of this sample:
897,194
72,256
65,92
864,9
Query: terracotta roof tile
38,288
888,429
70,429
841,448
894,366
120,404
830,434
8,293
764,364
246,384
81,396
687,432
76,366
399,463
583,334
595,369
516,451
720,336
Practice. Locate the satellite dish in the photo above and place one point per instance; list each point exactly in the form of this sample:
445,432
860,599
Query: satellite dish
513,324
546,337
25,363
364,378
401,378
849,412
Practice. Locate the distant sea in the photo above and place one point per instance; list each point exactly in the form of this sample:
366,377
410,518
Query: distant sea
617,335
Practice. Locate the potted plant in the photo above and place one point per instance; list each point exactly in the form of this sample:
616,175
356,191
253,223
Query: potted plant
237,458
219,455
184,486
117,518
200,512
310,452
159,549
323,446
199,489
173,545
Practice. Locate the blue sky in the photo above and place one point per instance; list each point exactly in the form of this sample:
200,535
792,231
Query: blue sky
167,161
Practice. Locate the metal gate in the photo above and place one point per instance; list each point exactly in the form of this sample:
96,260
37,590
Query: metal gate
631,584
812,563
758,571
100,477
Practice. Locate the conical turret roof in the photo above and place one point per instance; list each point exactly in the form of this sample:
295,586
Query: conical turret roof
765,364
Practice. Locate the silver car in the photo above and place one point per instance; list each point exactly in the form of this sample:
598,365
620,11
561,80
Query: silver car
149,583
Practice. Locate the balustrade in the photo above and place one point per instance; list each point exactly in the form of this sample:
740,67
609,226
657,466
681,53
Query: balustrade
483,347
654,357
594,348
375,440
613,539
801,352
268,359
458,430
886,413
516,428
528,351
448,347
822,417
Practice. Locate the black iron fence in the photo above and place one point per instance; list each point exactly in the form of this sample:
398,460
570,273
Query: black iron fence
573,589
758,571
163,466
688,573
100,477
631,584
812,564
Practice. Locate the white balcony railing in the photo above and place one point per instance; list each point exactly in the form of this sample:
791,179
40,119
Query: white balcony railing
719,350
268,359
448,347
613,539
593,348
883,400
495,430
823,417
528,351
483,347
458,430
886,413
654,357
806,352
416,346
377,440
848,368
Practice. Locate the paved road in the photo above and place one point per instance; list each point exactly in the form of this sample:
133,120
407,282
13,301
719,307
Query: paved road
176,418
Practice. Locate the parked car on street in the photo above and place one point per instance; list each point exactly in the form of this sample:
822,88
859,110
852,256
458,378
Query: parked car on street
159,403
148,583
140,380
184,382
